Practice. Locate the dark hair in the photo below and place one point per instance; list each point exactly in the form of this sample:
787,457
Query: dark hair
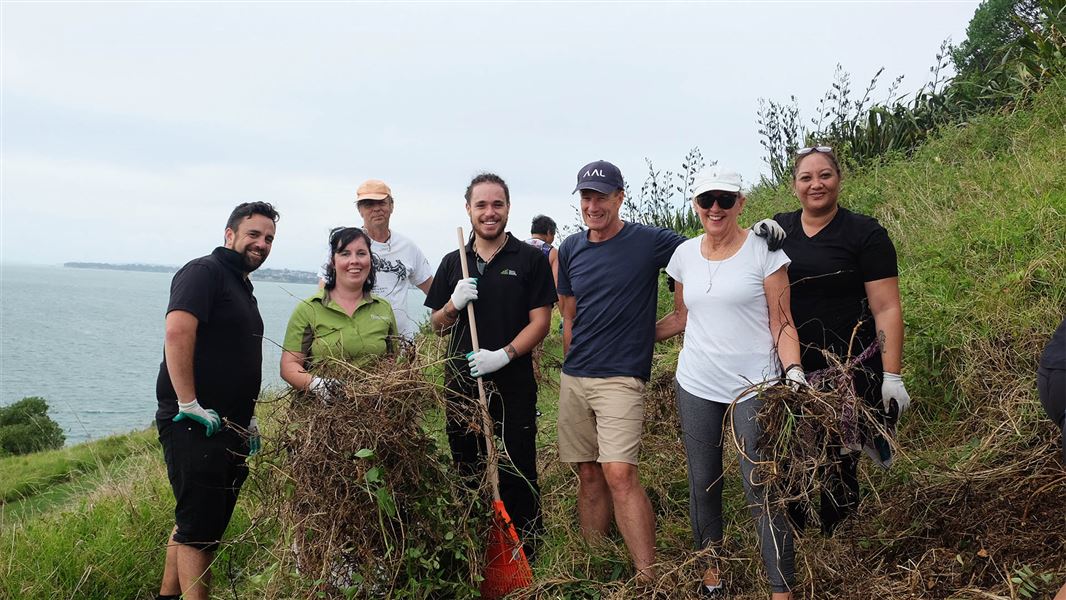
830,156
339,239
487,178
245,210
543,225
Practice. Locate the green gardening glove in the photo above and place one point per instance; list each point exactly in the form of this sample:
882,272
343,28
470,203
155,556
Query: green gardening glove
206,417
254,441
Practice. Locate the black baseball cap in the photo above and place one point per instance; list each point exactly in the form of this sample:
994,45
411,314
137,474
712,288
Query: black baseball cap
600,176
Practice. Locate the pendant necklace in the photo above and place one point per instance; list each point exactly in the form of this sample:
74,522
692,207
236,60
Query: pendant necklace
710,276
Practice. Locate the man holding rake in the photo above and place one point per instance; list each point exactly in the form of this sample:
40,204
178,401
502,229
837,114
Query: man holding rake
512,292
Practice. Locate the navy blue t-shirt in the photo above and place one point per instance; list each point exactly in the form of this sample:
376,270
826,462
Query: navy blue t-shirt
615,283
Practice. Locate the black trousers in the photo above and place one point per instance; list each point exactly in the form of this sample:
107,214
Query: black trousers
513,407
840,479
1051,384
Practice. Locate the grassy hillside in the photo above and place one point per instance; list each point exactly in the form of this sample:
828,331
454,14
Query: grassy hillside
977,217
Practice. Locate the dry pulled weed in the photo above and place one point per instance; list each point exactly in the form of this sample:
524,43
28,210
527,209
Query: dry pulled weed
370,504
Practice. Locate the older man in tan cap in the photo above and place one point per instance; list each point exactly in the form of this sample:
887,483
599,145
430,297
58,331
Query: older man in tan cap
398,262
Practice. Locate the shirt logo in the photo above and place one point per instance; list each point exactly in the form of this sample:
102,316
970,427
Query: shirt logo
509,272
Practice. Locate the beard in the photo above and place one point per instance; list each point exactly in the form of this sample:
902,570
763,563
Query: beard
501,228
251,262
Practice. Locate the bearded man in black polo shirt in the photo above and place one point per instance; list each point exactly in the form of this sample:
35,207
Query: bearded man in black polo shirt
207,387
512,291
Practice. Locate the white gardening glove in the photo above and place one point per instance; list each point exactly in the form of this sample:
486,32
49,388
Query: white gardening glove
326,389
484,361
254,441
772,231
892,389
465,292
206,417
796,378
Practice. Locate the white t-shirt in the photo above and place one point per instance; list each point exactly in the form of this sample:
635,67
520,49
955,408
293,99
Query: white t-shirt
399,265
728,346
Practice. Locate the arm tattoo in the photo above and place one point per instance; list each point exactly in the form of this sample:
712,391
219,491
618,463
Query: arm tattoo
881,340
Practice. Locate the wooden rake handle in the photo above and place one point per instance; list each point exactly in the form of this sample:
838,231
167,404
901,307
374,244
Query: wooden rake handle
492,464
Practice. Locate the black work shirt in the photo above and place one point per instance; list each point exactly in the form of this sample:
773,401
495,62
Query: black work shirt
517,280
228,357
828,274
1054,356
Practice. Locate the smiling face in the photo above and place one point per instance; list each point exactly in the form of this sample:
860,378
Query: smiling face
600,212
816,184
488,209
715,219
352,264
252,240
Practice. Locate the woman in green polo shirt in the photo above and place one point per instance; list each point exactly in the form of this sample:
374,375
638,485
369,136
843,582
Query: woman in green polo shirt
343,321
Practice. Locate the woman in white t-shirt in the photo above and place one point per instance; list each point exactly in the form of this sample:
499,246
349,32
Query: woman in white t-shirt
731,300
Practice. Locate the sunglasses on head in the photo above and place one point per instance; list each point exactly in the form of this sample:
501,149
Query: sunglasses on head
725,200
809,149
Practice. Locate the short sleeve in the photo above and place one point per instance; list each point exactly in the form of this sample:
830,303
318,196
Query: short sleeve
666,242
299,328
773,261
541,285
675,267
877,256
443,282
193,290
563,285
420,270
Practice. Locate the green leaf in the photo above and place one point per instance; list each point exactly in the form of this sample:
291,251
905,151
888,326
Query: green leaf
373,475
364,453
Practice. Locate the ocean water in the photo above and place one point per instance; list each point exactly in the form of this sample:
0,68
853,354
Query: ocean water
90,342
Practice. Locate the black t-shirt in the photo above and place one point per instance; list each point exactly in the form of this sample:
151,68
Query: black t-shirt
228,358
516,281
1054,356
827,278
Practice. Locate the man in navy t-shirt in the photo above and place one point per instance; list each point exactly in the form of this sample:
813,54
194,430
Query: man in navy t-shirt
608,278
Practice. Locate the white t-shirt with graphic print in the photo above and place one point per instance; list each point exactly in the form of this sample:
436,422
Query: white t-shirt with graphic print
728,345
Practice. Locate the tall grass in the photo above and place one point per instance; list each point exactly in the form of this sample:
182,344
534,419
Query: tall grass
24,476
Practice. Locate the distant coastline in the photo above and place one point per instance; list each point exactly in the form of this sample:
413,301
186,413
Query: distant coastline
278,275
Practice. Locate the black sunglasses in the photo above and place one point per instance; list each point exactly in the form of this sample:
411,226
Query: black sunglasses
725,200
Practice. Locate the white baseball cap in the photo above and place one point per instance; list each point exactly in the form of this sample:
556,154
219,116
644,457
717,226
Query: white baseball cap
716,178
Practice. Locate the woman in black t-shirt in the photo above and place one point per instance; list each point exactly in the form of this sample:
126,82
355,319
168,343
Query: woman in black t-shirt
844,283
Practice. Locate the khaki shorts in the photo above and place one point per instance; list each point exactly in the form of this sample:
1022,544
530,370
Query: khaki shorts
600,419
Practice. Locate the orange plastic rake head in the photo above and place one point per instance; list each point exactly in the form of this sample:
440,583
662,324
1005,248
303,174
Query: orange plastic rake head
506,567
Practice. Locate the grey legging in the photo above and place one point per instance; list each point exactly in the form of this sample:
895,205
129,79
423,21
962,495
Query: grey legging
702,424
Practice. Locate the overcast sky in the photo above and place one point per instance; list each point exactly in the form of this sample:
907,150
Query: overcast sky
130,130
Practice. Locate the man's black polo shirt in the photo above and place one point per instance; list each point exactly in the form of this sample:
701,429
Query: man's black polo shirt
228,358
516,281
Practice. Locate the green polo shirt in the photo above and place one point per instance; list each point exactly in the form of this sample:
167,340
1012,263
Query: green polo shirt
319,330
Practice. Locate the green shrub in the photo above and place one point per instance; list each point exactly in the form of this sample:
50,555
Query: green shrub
26,427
